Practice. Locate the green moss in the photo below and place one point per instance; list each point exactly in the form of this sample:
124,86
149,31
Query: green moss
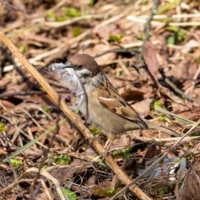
46,109
94,131
198,60
115,38
2,127
61,19
140,36
71,12
123,154
105,191
66,159
162,117
15,163
156,103
76,32
76,111
51,15
23,48
178,35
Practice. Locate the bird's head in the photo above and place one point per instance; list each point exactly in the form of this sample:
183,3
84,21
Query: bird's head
84,65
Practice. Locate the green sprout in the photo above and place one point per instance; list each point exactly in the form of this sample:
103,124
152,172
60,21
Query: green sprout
76,32
156,103
69,193
115,38
2,127
71,12
94,131
15,163
162,117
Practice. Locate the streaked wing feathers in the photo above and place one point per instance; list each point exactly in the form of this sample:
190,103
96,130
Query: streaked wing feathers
110,99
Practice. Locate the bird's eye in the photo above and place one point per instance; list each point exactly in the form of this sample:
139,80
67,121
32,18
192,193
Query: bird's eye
79,66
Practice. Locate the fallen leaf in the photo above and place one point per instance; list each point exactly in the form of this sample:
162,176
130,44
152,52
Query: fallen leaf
65,174
6,105
143,107
189,45
192,114
106,31
190,188
130,93
98,49
150,58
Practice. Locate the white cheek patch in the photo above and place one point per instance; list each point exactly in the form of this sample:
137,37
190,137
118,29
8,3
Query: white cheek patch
71,80
107,99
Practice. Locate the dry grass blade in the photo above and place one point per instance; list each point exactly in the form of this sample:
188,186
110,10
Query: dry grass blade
48,176
67,22
11,186
32,142
109,161
178,117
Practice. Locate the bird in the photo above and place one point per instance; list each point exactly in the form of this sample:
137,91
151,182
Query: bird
103,105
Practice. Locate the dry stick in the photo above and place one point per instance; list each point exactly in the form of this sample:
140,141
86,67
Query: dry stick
70,115
147,36
156,162
172,85
17,9
148,22
30,92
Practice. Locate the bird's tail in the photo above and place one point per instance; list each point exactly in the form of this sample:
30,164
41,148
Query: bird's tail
152,125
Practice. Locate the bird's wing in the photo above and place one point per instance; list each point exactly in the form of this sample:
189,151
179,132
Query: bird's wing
110,99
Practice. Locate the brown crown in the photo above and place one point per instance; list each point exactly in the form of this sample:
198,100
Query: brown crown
86,61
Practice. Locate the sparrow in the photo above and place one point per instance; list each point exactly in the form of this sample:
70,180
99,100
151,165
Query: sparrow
102,105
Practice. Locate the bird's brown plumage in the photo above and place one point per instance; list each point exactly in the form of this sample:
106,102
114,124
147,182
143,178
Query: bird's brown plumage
86,61
107,109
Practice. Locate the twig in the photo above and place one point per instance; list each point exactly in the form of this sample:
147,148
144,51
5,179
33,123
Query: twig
171,16
111,51
70,115
115,18
138,69
17,9
194,79
148,22
174,87
71,21
136,19
21,131
147,36
24,93
11,186
123,48
11,165
46,151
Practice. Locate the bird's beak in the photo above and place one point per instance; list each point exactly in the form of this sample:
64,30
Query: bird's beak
68,65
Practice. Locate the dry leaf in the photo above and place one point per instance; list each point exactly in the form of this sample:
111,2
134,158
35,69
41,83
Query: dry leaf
150,58
143,107
190,188
65,174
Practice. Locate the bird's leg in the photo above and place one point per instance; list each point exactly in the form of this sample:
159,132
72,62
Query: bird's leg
107,146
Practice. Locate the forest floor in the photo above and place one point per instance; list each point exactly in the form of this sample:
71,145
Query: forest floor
37,160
